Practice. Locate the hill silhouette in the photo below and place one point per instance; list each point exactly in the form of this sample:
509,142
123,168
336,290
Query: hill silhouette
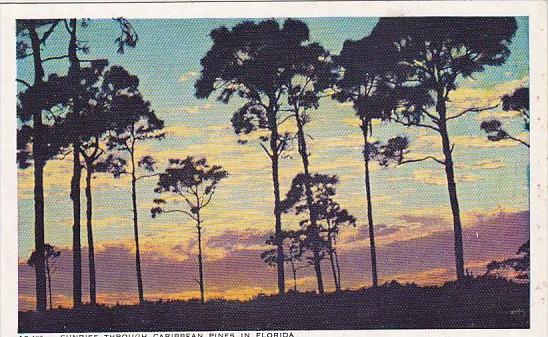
481,302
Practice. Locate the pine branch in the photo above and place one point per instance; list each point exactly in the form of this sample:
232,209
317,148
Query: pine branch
147,176
415,124
266,150
181,211
23,82
518,140
471,110
422,159
55,58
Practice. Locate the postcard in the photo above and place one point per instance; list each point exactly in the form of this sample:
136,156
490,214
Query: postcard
274,169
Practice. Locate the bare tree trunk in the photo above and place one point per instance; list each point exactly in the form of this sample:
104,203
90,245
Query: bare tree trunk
91,246
334,271
318,270
74,70
136,228
309,200
332,259
200,262
76,244
294,275
277,209
374,276
338,267
451,187
48,272
39,163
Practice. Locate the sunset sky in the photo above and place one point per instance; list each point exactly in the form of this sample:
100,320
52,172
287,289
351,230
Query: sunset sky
410,202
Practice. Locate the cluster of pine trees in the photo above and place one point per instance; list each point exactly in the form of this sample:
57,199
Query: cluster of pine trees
403,72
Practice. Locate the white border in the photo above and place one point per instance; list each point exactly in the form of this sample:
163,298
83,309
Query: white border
535,10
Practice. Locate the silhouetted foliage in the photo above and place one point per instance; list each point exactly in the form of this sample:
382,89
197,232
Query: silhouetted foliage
112,164
293,253
28,27
128,36
50,254
257,62
433,53
317,238
517,101
312,77
77,113
137,122
102,95
519,264
404,72
368,82
482,302
53,109
28,38
103,114
195,182
393,151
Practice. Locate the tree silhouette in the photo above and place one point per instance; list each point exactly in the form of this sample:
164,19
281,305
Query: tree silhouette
195,182
319,237
75,139
313,73
73,130
50,254
99,95
136,123
517,101
365,81
257,61
519,264
293,251
103,104
436,52
127,38
76,107
90,160
30,39
333,216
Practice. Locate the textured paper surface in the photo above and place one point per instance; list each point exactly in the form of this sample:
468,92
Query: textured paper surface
501,181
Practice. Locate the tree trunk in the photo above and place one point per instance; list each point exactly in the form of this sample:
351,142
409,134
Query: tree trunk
39,163
39,229
318,270
74,70
91,247
334,271
277,210
451,187
309,200
200,262
374,276
332,259
294,275
48,272
76,244
136,229
338,267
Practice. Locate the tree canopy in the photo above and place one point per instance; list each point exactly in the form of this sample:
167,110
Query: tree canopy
191,178
441,48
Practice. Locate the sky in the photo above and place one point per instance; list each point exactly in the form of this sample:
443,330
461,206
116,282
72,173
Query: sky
410,202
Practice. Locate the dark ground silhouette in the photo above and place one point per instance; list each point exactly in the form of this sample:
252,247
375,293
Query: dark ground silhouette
484,302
